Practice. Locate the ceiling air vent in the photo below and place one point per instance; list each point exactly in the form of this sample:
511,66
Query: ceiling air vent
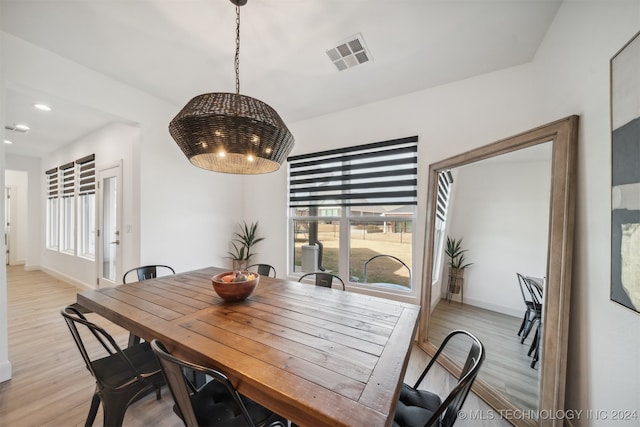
349,53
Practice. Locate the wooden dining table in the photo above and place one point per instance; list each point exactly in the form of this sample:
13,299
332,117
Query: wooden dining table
317,356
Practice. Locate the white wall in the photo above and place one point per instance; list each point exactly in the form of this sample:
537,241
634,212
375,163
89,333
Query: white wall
31,220
448,119
571,76
501,210
18,184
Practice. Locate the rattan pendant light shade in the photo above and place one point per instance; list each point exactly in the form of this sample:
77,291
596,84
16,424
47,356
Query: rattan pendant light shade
232,133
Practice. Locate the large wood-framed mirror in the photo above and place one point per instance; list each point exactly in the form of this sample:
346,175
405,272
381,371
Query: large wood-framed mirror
547,378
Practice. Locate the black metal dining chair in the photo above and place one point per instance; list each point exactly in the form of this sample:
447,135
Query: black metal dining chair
536,292
534,305
122,376
324,279
146,272
217,403
530,306
263,269
424,408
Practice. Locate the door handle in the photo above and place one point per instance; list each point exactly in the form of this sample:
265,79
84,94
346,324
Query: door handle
117,242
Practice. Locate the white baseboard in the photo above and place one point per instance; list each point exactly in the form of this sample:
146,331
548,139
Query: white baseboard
493,307
5,371
68,279
18,262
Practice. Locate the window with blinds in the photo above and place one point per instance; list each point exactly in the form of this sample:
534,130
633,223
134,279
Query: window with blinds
52,183
68,179
53,192
445,180
378,174
86,189
86,175
71,209
67,207
349,204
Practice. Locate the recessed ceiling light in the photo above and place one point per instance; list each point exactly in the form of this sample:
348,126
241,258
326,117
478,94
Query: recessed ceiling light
22,127
6,141
42,107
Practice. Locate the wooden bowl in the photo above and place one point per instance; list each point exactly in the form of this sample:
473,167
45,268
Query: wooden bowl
234,291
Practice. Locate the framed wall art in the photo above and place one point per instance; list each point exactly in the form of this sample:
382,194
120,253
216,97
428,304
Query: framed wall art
625,175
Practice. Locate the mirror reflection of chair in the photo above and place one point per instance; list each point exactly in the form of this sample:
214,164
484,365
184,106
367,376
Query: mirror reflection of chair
534,291
217,403
263,269
535,344
530,309
424,408
324,279
122,376
146,272
385,256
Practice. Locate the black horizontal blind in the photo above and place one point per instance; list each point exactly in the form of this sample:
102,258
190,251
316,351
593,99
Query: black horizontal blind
68,179
382,173
52,183
442,199
86,175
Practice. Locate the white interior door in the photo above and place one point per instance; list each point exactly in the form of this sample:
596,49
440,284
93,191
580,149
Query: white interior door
109,226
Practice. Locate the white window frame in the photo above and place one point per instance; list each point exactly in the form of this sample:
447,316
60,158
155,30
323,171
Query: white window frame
87,226
67,225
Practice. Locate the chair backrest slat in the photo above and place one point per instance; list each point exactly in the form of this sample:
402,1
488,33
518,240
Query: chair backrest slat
146,272
323,279
385,256
263,269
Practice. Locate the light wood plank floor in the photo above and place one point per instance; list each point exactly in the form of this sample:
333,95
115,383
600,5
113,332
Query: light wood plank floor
51,386
507,366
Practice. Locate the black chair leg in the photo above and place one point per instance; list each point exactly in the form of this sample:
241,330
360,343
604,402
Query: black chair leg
524,322
534,343
527,328
114,414
93,411
536,349
133,340
115,404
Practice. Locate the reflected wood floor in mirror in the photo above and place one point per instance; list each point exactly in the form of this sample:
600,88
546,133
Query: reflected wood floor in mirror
506,367
52,387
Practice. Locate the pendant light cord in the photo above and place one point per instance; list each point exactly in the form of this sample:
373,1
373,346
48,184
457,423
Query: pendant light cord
237,60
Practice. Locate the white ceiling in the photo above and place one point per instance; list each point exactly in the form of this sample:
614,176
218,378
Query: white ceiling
176,49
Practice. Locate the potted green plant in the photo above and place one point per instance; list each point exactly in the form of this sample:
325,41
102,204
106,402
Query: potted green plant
243,243
457,264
